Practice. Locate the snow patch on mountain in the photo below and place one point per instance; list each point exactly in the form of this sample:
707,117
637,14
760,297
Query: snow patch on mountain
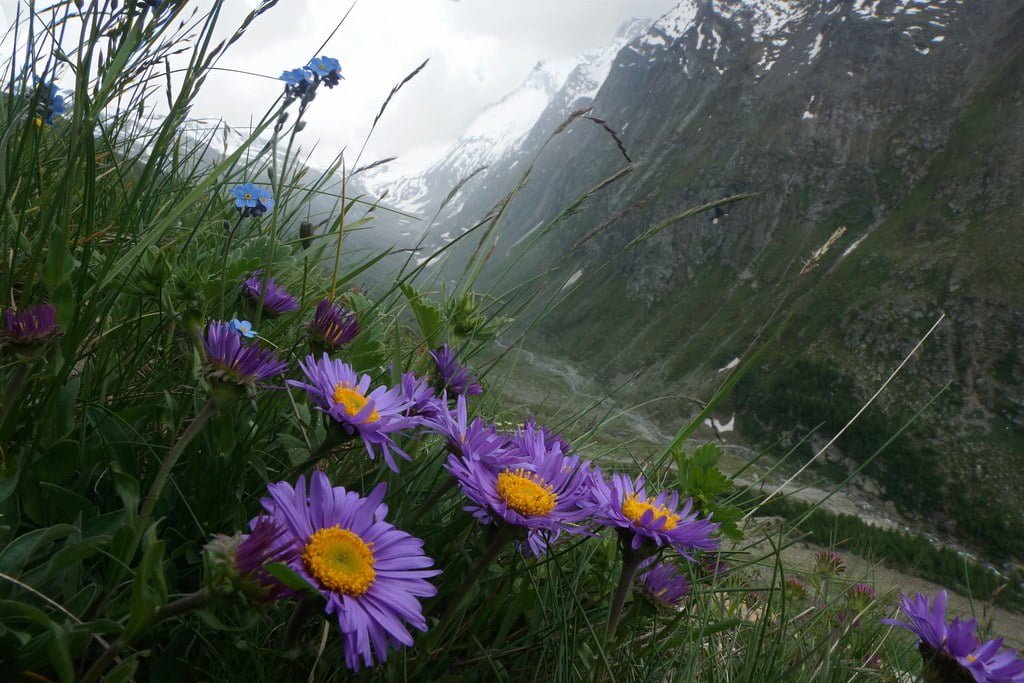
500,130
773,24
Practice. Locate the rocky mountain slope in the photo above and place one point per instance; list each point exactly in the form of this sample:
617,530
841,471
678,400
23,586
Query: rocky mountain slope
899,121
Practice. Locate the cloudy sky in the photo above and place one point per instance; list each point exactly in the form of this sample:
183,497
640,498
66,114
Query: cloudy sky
478,50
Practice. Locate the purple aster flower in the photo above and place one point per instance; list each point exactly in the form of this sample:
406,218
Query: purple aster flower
624,505
30,329
230,360
540,491
423,402
373,415
452,376
237,563
664,585
277,299
327,70
551,439
953,651
333,326
472,440
371,574
264,544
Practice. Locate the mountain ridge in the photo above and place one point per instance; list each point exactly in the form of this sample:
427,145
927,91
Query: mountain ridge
898,121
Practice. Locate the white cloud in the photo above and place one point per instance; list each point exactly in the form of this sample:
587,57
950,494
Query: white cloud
478,50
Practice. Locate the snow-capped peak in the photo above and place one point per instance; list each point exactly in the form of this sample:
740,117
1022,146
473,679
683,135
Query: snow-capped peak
501,128
773,24
511,117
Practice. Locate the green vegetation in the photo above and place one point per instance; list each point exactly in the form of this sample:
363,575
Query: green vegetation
907,553
158,430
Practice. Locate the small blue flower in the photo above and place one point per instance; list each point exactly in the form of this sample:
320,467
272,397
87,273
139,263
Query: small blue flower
51,103
245,195
327,69
265,199
243,327
297,77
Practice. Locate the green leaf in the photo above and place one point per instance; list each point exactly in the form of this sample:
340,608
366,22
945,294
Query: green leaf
707,455
59,261
18,552
148,590
290,578
127,488
429,316
8,482
60,655
60,417
65,504
124,671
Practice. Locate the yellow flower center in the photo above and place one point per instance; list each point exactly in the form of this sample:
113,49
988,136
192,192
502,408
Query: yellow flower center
634,508
247,196
526,493
340,561
971,658
352,401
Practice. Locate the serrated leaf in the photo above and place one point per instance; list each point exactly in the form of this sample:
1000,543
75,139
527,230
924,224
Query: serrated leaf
707,455
428,314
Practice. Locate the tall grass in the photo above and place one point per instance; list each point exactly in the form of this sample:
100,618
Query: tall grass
120,462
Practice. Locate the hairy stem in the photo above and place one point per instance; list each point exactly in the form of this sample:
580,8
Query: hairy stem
301,614
630,563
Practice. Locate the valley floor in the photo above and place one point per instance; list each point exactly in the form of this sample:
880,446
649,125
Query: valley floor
558,392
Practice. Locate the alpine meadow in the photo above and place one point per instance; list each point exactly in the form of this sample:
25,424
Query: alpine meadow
694,356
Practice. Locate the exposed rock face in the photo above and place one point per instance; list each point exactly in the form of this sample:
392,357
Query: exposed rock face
901,121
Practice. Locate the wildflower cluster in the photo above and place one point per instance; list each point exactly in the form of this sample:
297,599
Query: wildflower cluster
252,200
301,83
527,484
953,650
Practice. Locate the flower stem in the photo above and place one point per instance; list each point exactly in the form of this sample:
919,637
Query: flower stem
184,605
630,563
300,615
224,259
201,418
